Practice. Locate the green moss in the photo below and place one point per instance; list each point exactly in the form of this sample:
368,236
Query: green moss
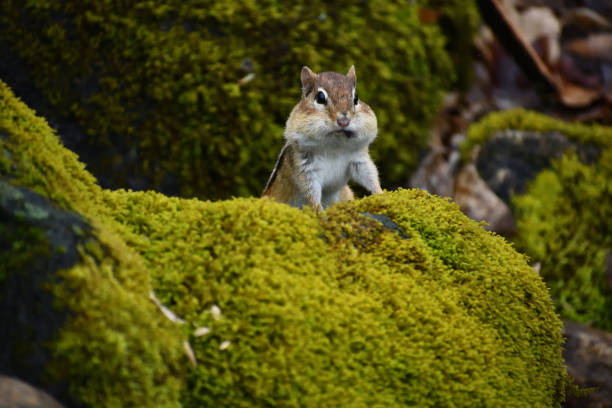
165,77
562,219
319,311
31,153
458,20
116,350
20,245
565,222
520,119
450,315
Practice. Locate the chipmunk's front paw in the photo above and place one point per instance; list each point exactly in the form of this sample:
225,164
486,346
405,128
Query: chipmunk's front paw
317,209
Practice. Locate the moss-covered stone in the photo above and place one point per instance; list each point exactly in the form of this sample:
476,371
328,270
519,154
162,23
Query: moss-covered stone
521,119
337,310
565,222
563,219
114,349
158,84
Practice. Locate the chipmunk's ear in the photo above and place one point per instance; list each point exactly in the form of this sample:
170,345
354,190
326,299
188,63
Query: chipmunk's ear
351,74
308,80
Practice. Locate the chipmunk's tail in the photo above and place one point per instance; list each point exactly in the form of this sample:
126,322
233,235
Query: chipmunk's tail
277,166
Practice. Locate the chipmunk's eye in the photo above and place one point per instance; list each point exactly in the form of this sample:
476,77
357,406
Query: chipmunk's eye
320,98
355,99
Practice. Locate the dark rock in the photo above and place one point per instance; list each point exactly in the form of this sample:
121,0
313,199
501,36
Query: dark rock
36,240
588,354
387,223
511,158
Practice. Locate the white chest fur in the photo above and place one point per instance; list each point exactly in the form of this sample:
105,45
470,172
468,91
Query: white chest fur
331,170
328,170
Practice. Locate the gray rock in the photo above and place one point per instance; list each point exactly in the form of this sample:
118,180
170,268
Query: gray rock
588,354
387,223
17,394
480,203
511,158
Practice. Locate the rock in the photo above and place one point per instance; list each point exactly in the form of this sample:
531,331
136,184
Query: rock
588,354
17,394
480,203
36,240
511,158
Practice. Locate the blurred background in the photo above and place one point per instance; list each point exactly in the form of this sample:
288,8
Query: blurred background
505,106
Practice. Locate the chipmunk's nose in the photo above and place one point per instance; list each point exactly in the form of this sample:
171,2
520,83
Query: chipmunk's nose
343,120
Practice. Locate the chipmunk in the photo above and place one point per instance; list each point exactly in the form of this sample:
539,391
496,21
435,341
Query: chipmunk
326,144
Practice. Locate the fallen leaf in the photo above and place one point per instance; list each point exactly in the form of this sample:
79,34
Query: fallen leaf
190,353
202,331
576,96
215,312
167,312
594,46
585,18
428,16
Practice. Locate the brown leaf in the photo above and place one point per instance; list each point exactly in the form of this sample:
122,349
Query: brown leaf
570,94
428,16
594,46
585,18
576,96
500,22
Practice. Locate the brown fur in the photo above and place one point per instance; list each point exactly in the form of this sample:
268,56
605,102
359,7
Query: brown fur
309,123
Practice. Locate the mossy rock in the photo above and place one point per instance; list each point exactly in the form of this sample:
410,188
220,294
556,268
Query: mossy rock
521,119
564,220
94,346
563,215
423,309
158,85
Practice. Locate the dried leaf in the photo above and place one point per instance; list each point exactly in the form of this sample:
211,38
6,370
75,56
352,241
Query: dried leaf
594,46
247,78
500,22
428,16
190,354
585,18
570,94
536,267
576,96
167,312
540,24
215,312
201,331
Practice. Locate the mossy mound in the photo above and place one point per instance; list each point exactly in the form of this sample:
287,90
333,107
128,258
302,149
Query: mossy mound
159,86
563,219
319,311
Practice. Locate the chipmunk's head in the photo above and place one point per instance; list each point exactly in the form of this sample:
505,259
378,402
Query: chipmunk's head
330,109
